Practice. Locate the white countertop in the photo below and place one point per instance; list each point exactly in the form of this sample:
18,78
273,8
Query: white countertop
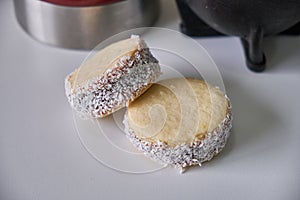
41,156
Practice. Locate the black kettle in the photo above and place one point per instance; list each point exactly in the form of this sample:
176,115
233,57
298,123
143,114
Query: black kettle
251,20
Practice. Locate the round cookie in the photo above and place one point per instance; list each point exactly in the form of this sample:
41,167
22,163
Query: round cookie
112,78
180,122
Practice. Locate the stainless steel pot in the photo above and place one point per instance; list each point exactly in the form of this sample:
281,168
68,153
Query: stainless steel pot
82,27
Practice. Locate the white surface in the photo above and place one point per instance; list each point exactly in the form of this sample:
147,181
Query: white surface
41,156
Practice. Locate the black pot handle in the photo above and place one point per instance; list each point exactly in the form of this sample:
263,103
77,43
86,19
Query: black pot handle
255,58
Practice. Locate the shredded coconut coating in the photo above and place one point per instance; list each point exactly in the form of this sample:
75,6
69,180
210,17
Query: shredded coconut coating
184,155
118,86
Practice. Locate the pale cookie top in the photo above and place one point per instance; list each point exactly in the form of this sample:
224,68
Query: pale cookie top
177,111
104,59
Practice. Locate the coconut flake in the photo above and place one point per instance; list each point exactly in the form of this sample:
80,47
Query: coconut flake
184,155
116,87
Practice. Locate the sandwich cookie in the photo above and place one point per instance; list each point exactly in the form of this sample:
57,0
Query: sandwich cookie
113,77
180,122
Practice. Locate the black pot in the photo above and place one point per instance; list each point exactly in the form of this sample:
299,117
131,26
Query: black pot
251,20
